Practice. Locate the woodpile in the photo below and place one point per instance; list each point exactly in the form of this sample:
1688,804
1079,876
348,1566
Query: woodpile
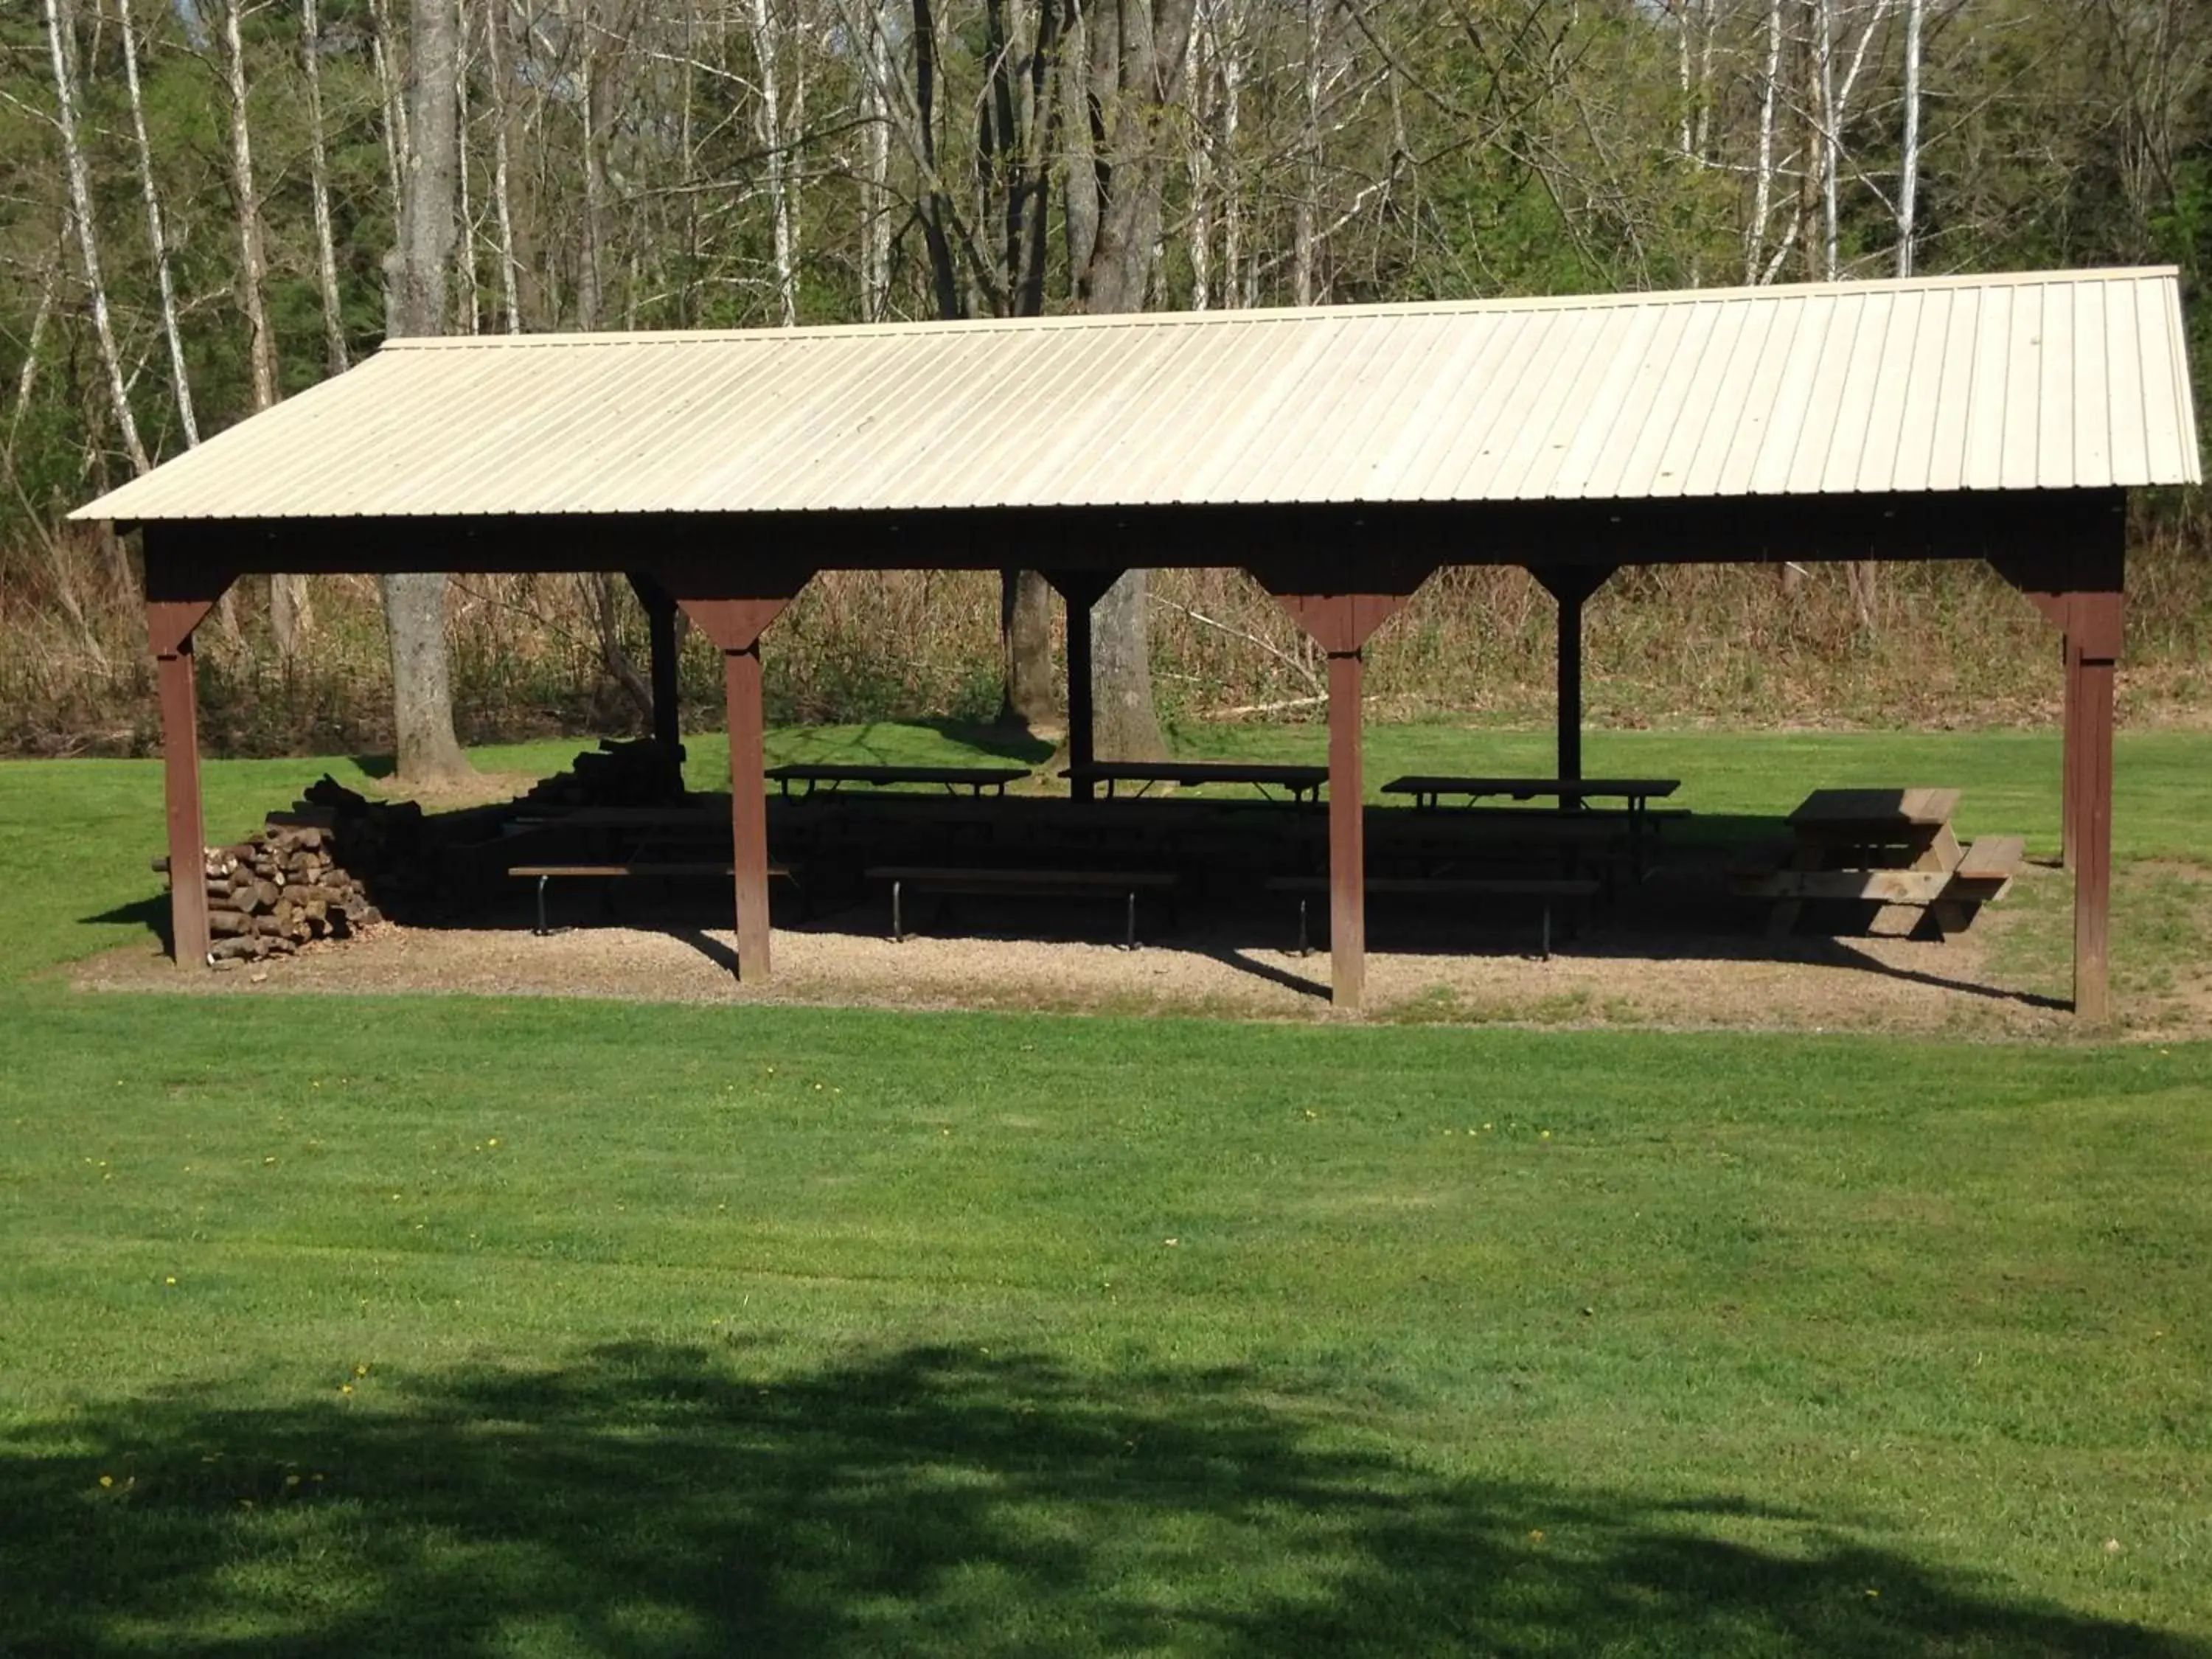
638,772
276,890
315,873
338,862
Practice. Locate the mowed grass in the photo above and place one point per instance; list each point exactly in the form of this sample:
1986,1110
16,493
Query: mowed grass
336,1325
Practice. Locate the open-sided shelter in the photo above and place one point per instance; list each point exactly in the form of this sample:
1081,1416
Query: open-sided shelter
1340,455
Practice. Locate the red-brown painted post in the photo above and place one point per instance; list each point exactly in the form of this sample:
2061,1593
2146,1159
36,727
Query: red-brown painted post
2079,590
2094,637
2070,763
736,624
1347,834
179,595
180,783
741,677
1341,624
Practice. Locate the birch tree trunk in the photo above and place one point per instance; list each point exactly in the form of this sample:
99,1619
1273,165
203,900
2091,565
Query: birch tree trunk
87,234
426,749
1831,140
291,611
1908,183
398,149
1762,196
875,189
470,310
1305,225
501,194
318,185
156,235
768,124
1198,161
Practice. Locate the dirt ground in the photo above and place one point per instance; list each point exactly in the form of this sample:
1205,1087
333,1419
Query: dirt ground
1612,977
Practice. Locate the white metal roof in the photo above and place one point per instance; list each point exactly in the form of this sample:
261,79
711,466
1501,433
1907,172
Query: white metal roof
2038,380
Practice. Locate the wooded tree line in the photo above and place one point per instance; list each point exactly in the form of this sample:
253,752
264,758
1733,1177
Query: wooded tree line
204,200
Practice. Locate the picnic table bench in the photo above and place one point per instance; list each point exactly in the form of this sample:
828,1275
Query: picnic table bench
1021,882
669,870
1304,782
1882,846
1636,813
1545,887
951,779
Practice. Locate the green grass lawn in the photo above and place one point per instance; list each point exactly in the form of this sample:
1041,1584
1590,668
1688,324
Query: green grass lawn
350,1326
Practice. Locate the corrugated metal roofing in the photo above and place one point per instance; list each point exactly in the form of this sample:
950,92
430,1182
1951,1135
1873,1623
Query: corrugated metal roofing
2040,381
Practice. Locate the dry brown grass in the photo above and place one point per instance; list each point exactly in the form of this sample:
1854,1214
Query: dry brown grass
1940,645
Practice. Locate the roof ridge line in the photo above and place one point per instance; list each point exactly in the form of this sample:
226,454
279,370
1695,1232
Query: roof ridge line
1276,314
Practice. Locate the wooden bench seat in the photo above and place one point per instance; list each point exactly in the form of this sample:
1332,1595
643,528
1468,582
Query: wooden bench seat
985,882
543,873
1950,896
1546,888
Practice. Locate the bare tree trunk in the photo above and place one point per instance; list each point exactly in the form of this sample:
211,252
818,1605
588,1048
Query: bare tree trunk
398,151
1198,157
157,236
291,611
768,124
1683,9
426,748
1305,223
1762,197
501,197
1908,184
1137,82
589,292
1236,279
465,245
1031,698
875,189
87,234
1831,141
319,184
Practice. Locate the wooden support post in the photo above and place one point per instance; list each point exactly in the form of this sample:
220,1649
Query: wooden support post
2094,637
180,590
1080,589
2070,764
661,632
741,679
1571,584
735,623
2083,595
180,779
1347,833
1341,624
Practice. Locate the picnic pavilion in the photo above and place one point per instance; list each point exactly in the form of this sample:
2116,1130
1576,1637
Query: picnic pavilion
1340,455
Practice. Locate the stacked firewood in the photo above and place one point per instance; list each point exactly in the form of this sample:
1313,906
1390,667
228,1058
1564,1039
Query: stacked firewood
276,890
640,773
309,874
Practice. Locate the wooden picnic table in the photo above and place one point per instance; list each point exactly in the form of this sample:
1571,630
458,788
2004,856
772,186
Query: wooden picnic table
1304,782
1637,794
1885,846
951,779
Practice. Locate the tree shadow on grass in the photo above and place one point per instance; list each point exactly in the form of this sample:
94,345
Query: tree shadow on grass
653,1499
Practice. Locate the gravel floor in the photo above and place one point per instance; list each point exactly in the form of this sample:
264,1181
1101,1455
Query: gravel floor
1808,984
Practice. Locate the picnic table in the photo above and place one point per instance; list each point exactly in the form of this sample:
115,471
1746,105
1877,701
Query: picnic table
1572,794
1636,794
1883,847
951,779
1304,782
